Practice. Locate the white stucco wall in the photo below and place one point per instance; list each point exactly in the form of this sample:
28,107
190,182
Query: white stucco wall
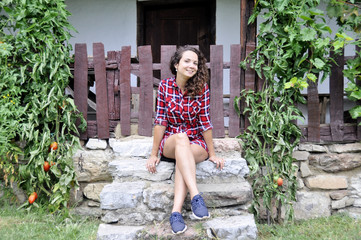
112,22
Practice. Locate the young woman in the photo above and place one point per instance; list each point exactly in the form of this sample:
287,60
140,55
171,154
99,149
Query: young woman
183,130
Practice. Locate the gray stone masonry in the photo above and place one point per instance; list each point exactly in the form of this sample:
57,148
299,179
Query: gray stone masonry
139,198
116,187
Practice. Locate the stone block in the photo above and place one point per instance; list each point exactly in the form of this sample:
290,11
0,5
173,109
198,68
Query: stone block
231,228
329,182
235,170
225,194
92,165
227,145
336,162
122,195
114,232
133,169
342,203
96,144
357,203
85,210
337,195
300,155
305,170
93,190
159,196
311,205
312,148
345,148
132,147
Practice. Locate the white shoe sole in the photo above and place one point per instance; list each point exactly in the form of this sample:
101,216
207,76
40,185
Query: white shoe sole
200,218
180,231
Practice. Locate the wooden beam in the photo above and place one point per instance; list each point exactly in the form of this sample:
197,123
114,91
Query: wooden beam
216,95
101,90
146,91
235,89
313,113
125,91
336,98
81,83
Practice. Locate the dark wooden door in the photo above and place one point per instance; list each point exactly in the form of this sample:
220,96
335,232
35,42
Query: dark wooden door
191,23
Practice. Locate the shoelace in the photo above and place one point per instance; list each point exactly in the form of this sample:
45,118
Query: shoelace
198,202
176,218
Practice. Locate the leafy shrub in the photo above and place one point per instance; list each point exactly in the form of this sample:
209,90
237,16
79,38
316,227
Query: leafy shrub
34,110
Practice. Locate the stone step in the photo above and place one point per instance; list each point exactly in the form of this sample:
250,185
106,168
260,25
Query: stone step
227,228
136,146
143,202
133,169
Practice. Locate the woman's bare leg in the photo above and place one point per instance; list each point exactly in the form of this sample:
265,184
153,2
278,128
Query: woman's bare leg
187,155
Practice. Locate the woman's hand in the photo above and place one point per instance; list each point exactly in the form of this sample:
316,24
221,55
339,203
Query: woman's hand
152,163
219,161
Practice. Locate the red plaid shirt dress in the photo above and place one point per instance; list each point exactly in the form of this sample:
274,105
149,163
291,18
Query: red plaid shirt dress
182,113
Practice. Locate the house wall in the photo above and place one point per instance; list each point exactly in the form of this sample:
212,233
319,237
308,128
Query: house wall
112,22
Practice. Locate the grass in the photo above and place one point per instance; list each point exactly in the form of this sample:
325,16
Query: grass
336,227
41,225
38,224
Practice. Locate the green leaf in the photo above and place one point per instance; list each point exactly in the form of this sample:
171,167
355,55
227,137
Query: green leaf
319,64
355,112
356,94
344,36
308,34
338,44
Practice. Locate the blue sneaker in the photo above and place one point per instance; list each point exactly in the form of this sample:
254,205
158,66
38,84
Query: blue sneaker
177,223
199,208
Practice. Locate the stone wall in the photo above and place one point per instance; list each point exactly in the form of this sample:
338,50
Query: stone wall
329,180
329,175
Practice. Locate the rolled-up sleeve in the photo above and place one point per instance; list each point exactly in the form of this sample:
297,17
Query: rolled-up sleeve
204,117
160,118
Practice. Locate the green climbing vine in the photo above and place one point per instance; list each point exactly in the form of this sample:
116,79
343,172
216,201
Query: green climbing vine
293,47
348,17
34,110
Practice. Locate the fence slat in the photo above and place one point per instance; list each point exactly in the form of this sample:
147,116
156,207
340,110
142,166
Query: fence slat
110,87
235,89
101,90
216,95
313,113
166,52
358,83
146,91
125,91
117,98
336,98
81,82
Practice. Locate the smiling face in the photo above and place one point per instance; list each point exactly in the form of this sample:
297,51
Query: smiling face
188,65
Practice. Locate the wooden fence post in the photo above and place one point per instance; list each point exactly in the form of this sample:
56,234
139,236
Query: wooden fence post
125,91
336,98
313,130
81,83
146,91
101,91
166,52
248,44
235,89
216,88
111,81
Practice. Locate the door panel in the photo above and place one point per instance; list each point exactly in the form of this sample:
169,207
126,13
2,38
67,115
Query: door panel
191,23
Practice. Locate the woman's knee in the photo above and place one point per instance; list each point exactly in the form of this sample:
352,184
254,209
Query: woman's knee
182,139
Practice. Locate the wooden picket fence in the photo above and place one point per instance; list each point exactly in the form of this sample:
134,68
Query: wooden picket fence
114,93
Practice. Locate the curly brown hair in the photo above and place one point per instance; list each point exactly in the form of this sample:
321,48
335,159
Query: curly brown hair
195,84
